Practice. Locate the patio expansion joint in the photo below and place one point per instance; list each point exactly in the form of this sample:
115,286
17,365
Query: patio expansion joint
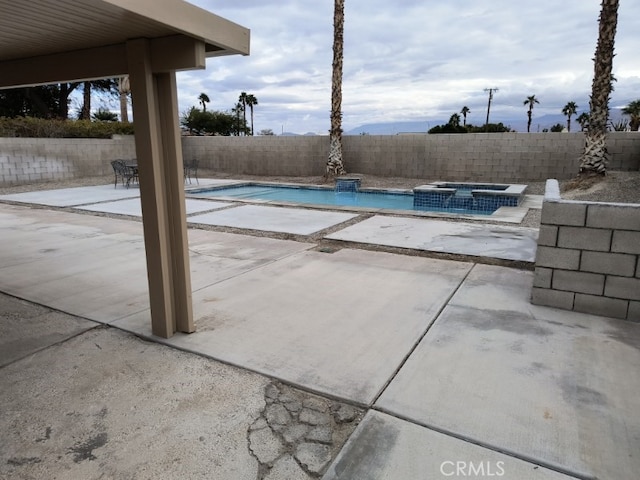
249,270
503,451
420,338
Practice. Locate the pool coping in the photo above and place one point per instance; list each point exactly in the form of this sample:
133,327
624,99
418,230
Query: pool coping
502,214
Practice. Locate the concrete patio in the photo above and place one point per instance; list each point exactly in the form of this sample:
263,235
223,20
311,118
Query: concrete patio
444,367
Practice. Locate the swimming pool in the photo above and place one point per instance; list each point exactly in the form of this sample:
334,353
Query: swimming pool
460,203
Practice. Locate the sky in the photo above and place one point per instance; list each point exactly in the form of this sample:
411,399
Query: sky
413,60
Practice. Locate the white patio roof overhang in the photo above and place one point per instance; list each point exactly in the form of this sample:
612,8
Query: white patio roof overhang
52,41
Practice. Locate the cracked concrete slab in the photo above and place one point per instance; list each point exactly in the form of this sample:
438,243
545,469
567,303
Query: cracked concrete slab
384,447
274,219
536,382
493,241
106,404
336,323
26,328
92,402
283,440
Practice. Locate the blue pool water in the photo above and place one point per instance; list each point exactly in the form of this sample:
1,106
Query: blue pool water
323,196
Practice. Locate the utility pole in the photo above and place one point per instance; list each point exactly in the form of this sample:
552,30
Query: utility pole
490,90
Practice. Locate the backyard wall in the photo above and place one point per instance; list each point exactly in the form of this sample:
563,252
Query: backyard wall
496,157
588,257
34,160
500,157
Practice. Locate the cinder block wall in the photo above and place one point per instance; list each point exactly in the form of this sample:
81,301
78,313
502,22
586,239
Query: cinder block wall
506,157
33,160
588,257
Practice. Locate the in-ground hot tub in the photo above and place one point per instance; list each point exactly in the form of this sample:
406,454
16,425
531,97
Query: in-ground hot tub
468,196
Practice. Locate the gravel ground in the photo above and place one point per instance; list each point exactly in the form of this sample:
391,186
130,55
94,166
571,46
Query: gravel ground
618,187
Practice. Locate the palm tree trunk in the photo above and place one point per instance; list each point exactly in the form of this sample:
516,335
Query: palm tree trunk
251,106
335,166
123,89
85,113
595,156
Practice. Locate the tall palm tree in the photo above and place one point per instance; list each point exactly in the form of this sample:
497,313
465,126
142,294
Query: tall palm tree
335,166
633,110
464,112
203,98
106,85
243,100
569,109
239,108
595,156
531,100
251,102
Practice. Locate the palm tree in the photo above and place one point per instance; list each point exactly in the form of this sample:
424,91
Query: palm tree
123,90
531,100
464,112
633,110
335,166
106,85
454,120
243,100
583,120
204,99
251,102
595,156
569,109
239,108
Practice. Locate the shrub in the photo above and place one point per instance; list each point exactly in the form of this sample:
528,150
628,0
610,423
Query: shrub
45,128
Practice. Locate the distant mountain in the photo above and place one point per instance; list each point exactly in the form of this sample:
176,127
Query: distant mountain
291,134
393,128
538,124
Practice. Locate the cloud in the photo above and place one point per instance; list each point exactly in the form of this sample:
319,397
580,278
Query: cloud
412,60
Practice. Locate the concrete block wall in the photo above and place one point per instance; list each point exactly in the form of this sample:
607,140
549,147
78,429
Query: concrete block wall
588,257
506,157
34,160
261,155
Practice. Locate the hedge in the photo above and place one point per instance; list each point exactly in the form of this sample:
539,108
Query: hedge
45,128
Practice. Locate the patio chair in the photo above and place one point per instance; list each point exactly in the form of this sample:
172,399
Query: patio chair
126,173
191,169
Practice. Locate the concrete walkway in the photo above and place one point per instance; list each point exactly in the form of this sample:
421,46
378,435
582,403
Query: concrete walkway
426,368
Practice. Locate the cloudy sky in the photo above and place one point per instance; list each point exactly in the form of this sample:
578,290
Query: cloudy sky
413,60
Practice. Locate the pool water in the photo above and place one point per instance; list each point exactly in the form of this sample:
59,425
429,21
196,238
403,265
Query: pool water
324,196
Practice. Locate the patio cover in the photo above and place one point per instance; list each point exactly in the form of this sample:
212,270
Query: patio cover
53,41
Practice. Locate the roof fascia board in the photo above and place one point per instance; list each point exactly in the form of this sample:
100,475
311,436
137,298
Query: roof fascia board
229,37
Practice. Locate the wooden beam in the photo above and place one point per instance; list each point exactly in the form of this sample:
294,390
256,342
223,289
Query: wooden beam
79,65
175,52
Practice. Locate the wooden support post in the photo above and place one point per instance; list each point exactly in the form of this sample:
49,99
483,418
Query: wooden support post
159,155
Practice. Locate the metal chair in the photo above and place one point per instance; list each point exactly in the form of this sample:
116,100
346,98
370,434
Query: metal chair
125,173
191,169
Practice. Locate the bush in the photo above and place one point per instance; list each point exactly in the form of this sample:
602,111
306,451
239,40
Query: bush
44,128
